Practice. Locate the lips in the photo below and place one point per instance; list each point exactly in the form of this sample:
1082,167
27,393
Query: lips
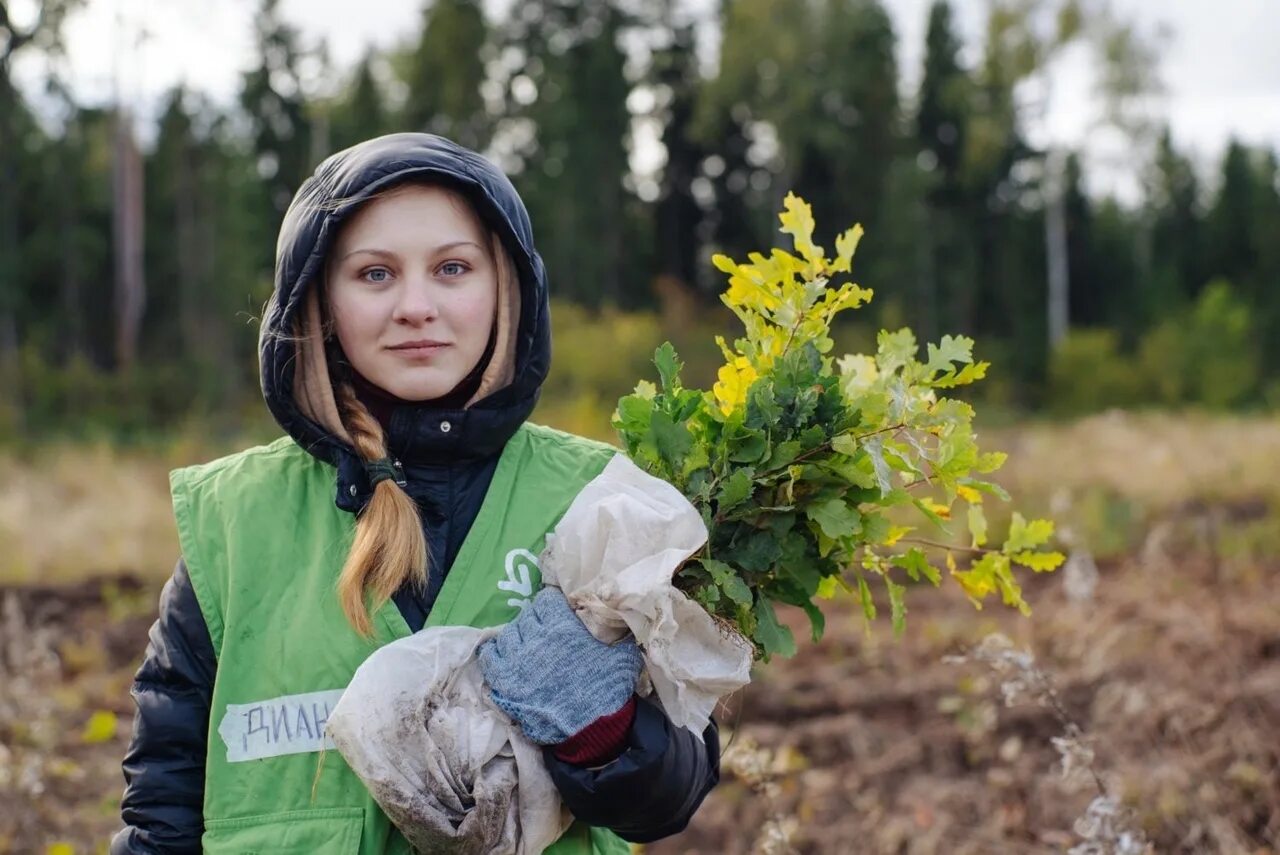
420,344
418,349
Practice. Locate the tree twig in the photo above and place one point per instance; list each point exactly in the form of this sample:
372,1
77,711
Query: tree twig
926,542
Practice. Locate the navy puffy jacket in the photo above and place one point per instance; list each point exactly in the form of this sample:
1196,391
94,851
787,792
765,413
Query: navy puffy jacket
654,787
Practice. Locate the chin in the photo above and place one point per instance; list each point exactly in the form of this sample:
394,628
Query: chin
423,390
421,393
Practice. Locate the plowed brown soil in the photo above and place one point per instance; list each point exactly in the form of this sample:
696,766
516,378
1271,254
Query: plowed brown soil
873,745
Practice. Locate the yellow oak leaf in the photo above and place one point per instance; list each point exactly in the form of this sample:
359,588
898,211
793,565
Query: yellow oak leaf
797,221
734,380
846,245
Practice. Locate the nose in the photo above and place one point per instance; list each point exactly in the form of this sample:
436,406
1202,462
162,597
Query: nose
418,301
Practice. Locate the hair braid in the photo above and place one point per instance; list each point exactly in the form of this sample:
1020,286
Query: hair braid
390,547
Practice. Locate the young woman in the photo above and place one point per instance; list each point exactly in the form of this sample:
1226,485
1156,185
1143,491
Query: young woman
402,351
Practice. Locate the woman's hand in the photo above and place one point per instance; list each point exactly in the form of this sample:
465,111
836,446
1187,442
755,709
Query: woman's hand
552,676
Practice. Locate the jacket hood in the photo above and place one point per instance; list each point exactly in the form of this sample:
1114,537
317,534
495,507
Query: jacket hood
337,189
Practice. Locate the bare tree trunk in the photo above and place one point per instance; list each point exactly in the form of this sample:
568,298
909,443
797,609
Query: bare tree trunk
127,210
190,282
1055,235
71,279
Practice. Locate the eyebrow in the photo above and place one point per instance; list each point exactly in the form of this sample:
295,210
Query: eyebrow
387,254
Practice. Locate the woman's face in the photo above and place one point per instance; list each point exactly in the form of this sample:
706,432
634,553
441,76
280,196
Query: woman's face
412,291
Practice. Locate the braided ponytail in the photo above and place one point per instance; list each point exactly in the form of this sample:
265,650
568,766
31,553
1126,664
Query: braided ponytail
390,547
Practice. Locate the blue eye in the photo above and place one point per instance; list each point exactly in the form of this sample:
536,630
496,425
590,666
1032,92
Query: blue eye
462,267
377,274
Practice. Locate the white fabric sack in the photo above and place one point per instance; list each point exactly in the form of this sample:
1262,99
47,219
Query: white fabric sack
450,769
446,765
613,554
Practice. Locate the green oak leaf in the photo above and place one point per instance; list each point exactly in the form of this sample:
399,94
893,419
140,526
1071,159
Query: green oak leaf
952,348
672,439
728,581
1024,535
895,349
751,447
835,518
817,621
897,605
773,636
917,564
875,528
736,490
669,366
977,525
1041,562
990,461
868,602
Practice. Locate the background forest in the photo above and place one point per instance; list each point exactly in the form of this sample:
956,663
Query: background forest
132,272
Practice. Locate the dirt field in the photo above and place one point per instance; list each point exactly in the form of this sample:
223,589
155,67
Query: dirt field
862,744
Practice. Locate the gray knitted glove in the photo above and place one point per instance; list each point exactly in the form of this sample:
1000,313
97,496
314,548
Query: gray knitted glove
552,676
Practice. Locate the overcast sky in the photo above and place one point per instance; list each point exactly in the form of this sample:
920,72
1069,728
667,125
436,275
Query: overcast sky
1221,66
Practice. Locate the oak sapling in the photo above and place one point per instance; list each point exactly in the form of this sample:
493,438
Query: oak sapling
796,458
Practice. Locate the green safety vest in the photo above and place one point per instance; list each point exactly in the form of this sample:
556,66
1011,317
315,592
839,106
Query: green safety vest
264,544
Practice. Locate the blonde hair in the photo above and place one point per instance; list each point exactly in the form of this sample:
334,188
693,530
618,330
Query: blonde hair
390,547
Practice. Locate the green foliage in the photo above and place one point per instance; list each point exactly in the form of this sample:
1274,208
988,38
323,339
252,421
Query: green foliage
80,401
818,74
1207,355
571,175
1088,372
795,457
443,74
805,97
274,103
361,110
944,93
581,336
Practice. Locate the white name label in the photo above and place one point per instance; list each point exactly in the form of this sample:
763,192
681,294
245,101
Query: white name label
293,724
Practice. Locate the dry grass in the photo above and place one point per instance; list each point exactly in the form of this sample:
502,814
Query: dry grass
72,511
67,512
1119,482
1156,460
